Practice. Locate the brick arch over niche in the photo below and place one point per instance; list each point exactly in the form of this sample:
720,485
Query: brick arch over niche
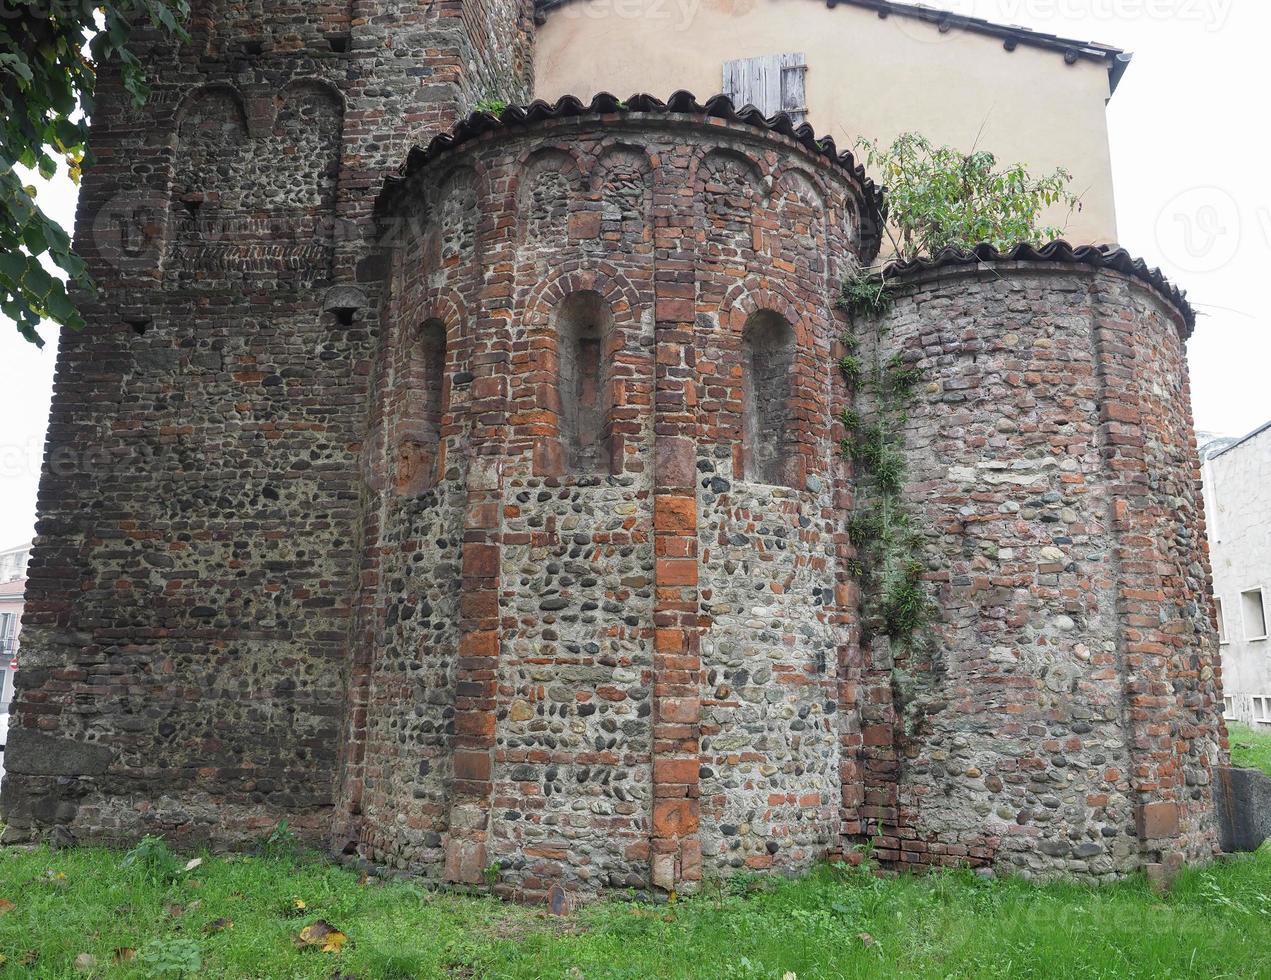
753,314
550,190
554,308
419,456
731,188
255,202
768,367
623,179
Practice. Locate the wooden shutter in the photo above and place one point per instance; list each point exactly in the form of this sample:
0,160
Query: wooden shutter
774,83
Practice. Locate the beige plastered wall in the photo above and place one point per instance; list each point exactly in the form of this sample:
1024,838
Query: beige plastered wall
867,76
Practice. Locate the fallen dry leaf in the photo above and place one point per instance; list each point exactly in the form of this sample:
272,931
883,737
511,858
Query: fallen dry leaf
174,911
125,954
85,962
219,925
29,957
321,935
865,938
194,864
6,906
296,907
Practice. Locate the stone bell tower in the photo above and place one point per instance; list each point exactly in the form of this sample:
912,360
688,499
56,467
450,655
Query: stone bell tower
186,657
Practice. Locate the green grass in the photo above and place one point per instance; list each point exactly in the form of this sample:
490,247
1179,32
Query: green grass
829,924
1250,749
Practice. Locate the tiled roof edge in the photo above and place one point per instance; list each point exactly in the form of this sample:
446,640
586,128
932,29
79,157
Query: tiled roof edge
1115,58
1243,440
1110,257
680,103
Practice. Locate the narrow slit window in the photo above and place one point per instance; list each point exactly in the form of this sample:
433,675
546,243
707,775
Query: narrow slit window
768,347
1222,620
584,326
424,410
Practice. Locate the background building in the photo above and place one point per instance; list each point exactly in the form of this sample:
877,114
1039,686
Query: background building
1238,509
858,68
13,564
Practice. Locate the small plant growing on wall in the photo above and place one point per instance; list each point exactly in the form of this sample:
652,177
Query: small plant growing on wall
938,197
491,104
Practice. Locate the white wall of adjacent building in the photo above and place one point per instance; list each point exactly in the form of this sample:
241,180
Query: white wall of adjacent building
1238,513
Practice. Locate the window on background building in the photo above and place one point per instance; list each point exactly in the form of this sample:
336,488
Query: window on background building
1255,614
1222,621
1262,710
768,349
1229,709
774,83
583,327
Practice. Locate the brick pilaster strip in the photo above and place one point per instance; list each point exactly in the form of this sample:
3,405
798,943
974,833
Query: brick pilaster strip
1148,594
476,674
676,848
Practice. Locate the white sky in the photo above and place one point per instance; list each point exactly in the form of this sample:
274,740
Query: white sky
1190,141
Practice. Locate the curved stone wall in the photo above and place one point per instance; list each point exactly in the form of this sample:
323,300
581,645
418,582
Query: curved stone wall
593,651
1065,715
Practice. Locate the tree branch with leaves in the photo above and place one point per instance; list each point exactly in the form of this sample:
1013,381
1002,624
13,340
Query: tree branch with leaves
939,197
50,52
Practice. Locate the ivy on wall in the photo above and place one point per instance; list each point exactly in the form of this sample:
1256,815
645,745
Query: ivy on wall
887,566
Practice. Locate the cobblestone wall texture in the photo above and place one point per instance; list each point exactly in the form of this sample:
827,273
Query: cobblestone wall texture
319,542
1064,717
187,665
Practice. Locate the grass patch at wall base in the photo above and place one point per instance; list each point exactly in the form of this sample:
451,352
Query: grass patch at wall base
240,917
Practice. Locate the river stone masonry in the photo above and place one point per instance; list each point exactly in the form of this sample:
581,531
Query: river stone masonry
489,524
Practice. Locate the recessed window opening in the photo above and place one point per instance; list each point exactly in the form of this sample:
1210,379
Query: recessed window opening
423,411
768,348
584,325
1222,621
1254,613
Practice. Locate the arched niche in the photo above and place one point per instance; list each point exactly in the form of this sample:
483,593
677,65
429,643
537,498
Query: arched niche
584,330
423,411
768,361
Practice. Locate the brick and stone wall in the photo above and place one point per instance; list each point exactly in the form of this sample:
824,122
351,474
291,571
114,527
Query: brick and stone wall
1064,715
612,668
187,661
502,523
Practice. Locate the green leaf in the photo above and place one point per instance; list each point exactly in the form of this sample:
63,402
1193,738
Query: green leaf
47,87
